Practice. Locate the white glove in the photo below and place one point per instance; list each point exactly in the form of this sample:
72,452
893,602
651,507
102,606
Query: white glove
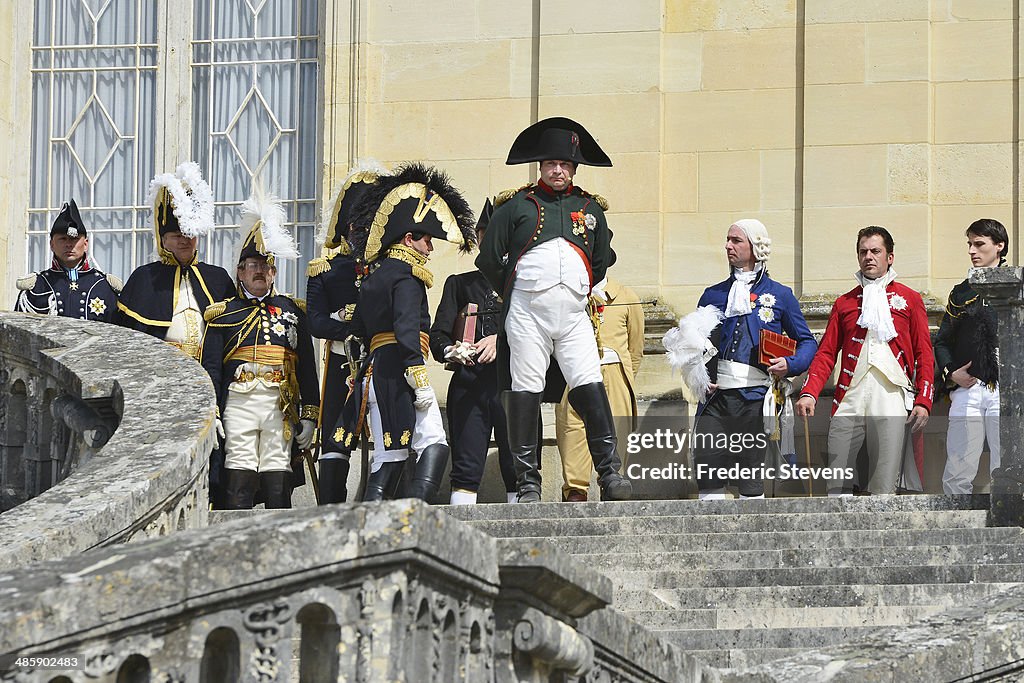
461,353
416,377
305,436
424,398
220,428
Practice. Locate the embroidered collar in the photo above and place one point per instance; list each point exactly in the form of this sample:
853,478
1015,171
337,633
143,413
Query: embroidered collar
418,261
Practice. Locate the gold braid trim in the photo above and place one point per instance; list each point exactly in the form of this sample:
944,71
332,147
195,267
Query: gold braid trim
386,338
214,310
418,261
309,413
453,233
263,355
601,201
317,266
506,195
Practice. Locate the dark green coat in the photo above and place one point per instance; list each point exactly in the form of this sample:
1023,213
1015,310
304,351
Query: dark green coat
536,214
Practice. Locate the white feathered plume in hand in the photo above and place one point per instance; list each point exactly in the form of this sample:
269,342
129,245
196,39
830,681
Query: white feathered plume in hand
266,211
689,348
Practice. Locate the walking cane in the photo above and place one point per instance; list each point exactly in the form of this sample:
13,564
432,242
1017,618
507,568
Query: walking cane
807,452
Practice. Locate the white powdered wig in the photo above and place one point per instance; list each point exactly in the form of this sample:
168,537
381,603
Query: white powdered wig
192,196
267,210
331,207
689,348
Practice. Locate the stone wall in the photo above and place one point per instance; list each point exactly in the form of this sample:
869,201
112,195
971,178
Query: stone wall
819,117
15,126
105,436
373,592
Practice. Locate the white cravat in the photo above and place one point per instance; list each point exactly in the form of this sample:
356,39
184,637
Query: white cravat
739,294
875,313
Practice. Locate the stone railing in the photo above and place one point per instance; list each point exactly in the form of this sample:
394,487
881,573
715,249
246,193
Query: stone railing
394,591
105,435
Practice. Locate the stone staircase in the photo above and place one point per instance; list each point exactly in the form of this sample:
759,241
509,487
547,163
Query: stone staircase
738,583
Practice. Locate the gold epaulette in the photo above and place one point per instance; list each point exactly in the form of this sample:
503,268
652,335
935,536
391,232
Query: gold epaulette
301,303
318,266
115,283
601,201
214,310
28,282
506,195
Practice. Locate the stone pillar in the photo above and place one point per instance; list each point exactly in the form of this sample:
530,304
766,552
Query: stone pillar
1003,289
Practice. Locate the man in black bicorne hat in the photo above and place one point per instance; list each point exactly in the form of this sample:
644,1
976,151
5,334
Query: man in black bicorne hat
167,298
546,246
391,393
332,291
71,286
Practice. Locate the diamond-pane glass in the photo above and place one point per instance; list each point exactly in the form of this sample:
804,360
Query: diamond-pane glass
254,113
94,124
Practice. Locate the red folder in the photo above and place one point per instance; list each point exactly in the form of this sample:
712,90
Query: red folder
775,345
465,324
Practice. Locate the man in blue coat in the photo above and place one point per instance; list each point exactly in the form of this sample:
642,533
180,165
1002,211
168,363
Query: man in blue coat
743,391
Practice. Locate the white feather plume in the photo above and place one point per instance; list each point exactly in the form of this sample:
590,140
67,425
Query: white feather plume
688,347
330,209
267,210
192,197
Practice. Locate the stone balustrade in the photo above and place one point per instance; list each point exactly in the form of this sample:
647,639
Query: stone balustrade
395,591
105,436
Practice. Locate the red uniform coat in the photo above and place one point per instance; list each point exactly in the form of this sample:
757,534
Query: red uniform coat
912,345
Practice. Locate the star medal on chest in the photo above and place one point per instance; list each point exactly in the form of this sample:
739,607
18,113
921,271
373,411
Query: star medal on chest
98,306
897,302
766,304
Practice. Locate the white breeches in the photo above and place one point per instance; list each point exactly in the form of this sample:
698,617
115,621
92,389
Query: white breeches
553,322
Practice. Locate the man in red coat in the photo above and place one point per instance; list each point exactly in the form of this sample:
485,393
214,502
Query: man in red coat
879,329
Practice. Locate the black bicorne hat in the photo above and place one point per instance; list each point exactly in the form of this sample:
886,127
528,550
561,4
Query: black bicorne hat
340,212
485,215
557,138
417,199
68,222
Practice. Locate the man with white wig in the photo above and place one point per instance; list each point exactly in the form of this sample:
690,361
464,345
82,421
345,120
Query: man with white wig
740,392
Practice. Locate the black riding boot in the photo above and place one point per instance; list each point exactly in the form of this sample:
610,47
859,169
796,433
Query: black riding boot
240,489
333,480
522,408
277,490
429,472
384,481
590,401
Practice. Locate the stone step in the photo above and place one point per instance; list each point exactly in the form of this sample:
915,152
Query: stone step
776,540
781,597
673,508
807,558
761,638
732,523
817,576
769,618
742,659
